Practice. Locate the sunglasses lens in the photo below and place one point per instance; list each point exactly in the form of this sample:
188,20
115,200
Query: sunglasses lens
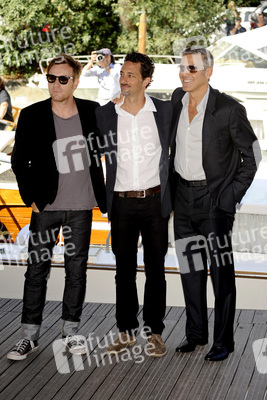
192,69
63,79
51,78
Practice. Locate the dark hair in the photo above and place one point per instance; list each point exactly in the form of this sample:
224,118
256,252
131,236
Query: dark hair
2,84
206,55
147,65
66,59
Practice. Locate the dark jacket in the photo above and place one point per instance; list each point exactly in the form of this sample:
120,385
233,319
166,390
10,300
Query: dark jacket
107,121
33,160
228,147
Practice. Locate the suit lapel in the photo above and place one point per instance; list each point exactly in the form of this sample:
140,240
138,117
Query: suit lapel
209,119
49,124
177,109
159,118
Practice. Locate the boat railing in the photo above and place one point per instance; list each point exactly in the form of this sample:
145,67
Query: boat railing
119,58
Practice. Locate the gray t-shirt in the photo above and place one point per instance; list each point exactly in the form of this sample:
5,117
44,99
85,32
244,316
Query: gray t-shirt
75,190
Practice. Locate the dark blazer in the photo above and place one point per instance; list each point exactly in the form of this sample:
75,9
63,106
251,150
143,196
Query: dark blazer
107,121
228,146
33,160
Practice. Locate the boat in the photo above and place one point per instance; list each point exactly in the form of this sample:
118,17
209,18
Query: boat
241,65
240,70
249,242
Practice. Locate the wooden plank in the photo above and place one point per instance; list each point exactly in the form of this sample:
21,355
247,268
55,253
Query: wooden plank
46,373
242,379
175,376
246,316
12,382
6,319
176,314
12,305
66,386
175,365
227,369
149,384
260,317
127,375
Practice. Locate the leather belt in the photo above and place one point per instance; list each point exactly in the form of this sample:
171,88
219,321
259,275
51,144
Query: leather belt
139,194
193,183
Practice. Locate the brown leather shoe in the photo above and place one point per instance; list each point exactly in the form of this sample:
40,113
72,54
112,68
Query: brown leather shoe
121,343
155,346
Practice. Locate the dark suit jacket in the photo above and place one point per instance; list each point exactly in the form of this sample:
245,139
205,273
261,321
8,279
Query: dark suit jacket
228,145
33,160
107,121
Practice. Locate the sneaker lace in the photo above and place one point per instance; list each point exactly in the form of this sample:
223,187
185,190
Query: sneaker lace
22,345
75,341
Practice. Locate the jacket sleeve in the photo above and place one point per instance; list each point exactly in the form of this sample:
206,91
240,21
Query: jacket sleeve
248,146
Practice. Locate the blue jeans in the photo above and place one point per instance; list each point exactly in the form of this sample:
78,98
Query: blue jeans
44,229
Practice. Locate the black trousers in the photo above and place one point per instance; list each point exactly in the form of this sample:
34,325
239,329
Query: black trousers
44,229
129,218
203,233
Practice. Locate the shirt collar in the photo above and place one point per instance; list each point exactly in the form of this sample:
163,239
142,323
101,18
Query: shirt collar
202,105
148,106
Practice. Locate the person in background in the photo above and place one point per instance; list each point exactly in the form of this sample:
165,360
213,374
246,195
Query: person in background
229,18
107,72
238,28
260,22
59,174
5,105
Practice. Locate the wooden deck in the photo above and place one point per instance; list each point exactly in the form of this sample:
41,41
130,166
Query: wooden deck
133,375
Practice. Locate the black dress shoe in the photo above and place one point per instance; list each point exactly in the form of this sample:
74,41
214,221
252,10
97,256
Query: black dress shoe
189,345
217,353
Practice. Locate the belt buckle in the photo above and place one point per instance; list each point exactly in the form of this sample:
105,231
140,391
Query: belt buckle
144,194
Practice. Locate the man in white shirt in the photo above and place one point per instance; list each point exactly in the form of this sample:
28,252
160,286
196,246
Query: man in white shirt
135,142
107,72
213,164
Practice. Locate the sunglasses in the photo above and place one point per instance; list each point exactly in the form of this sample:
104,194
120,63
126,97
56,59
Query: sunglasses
190,68
63,80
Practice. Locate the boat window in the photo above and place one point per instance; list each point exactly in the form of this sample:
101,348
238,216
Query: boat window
217,48
263,49
239,55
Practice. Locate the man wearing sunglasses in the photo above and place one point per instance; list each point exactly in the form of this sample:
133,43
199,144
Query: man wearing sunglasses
212,166
60,177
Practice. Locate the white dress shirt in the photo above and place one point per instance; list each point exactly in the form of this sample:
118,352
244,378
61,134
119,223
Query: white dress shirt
188,156
139,149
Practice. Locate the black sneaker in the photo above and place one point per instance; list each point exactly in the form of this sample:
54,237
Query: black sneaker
75,344
22,349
